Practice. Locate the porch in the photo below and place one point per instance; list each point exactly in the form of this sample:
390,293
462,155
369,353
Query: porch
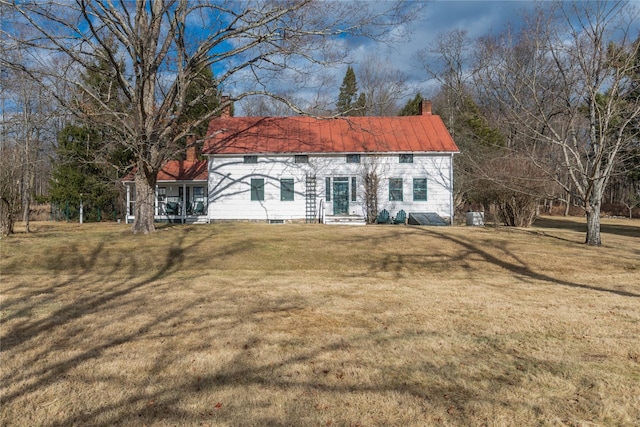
175,203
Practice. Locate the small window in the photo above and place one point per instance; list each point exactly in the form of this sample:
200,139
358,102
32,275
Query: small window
395,189
286,189
406,158
353,188
301,158
353,158
327,189
257,189
420,189
251,159
162,194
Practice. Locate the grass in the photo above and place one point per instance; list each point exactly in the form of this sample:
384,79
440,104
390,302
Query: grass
310,325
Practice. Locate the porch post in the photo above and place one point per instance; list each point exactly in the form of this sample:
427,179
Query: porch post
155,196
128,206
184,202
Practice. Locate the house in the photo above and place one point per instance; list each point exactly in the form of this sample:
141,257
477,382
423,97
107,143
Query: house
181,191
282,169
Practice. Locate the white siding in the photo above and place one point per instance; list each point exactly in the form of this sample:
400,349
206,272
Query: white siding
230,178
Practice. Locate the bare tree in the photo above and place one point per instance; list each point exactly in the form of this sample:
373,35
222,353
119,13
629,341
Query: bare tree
28,128
382,85
449,62
254,47
563,86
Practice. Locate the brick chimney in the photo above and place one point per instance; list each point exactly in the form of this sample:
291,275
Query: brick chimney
425,107
192,149
225,103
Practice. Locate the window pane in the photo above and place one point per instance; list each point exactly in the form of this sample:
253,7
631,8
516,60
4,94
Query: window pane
406,158
286,189
257,189
301,158
251,159
353,158
420,189
395,189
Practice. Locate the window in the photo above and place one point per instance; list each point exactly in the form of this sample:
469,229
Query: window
251,159
406,158
198,194
395,189
327,189
420,189
353,158
257,189
301,158
286,189
353,188
162,199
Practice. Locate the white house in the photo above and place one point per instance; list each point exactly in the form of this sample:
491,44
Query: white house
282,169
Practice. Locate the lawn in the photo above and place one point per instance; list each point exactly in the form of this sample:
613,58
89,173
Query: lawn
307,325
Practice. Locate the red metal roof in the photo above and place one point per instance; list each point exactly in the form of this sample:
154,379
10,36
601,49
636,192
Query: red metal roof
301,134
179,170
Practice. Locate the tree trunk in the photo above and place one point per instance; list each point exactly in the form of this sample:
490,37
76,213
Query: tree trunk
6,217
592,204
593,227
145,204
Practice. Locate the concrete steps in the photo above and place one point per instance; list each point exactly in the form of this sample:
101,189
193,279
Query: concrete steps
344,220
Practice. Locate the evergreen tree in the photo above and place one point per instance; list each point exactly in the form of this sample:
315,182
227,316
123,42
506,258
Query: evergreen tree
202,98
348,92
412,107
360,106
85,154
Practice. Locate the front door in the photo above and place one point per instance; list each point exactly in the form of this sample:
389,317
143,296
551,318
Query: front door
341,196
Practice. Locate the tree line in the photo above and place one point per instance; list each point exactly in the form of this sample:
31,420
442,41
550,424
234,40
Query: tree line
548,111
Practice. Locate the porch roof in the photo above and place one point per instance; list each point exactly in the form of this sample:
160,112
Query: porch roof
178,170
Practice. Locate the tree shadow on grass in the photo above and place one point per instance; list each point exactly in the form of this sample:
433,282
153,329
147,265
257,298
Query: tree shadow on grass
96,293
450,395
632,229
519,267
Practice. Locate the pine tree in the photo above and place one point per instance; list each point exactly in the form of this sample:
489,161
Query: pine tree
85,154
412,108
360,107
202,98
348,92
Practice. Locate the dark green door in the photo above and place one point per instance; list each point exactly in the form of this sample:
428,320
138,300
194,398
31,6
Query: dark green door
340,196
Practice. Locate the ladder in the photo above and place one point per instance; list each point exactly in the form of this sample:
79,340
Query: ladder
311,199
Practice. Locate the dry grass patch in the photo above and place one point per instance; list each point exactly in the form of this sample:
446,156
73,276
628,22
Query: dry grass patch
302,325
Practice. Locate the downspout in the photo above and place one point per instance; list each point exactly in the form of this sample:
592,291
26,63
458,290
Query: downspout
451,190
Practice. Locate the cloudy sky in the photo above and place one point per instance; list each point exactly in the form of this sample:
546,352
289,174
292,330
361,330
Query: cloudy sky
477,17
